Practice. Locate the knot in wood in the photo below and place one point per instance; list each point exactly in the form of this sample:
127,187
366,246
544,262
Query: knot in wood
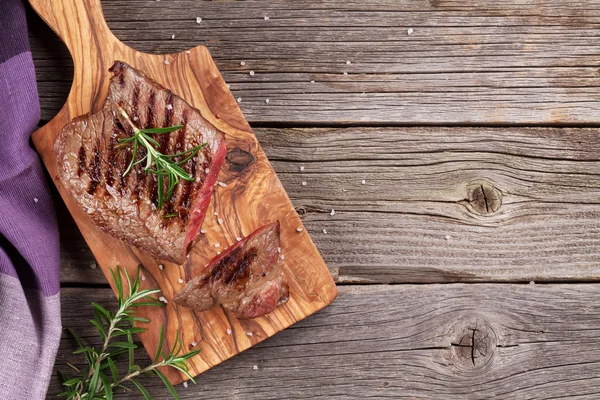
484,198
239,159
301,210
474,343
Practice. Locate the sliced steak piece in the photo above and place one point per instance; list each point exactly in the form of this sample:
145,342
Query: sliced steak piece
91,167
246,279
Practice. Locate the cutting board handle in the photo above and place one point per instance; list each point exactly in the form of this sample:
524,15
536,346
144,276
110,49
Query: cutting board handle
79,23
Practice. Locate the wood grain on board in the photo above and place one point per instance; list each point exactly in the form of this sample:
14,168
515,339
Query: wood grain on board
253,197
451,342
422,216
465,62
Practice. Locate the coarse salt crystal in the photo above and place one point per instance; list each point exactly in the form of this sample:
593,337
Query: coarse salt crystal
173,36
303,183
135,118
255,367
532,283
194,344
332,213
410,31
228,86
161,298
207,170
239,99
93,266
90,210
363,182
348,62
180,280
143,278
167,62
35,200
249,333
267,101
222,184
169,106
228,331
266,18
325,231
216,214
185,384
220,221
198,20
448,237
251,73
302,168
282,257
187,52
312,81
161,267
345,73
279,249
217,244
202,231
298,229
243,63
238,239
218,252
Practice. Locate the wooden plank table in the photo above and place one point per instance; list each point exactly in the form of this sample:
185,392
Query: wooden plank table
468,261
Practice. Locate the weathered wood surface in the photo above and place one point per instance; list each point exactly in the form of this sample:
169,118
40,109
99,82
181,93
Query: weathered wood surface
403,341
466,62
421,217
251,197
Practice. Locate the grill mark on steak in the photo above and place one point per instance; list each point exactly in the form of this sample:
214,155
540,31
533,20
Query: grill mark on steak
81,162
150,117
164,138
151,123
187,197
169,112
135,100
111,165
240,270
185,185
94,170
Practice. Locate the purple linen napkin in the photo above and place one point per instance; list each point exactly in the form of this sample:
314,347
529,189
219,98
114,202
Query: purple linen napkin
30,325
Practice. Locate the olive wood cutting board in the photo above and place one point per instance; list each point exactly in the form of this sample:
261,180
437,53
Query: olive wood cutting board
253,195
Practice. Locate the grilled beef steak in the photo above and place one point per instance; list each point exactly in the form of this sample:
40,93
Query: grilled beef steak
246,279
91,166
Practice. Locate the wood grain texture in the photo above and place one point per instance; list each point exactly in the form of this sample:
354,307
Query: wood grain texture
253,197
420,216
451,342
466,62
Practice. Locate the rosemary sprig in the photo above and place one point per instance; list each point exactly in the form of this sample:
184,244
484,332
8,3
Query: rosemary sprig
165,165
101,377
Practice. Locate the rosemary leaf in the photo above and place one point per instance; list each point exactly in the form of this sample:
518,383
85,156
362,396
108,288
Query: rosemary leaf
167,384
161,339
113,369
142,390
108,392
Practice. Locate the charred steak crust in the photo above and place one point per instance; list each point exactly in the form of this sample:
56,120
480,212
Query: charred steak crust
91,168
246,279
